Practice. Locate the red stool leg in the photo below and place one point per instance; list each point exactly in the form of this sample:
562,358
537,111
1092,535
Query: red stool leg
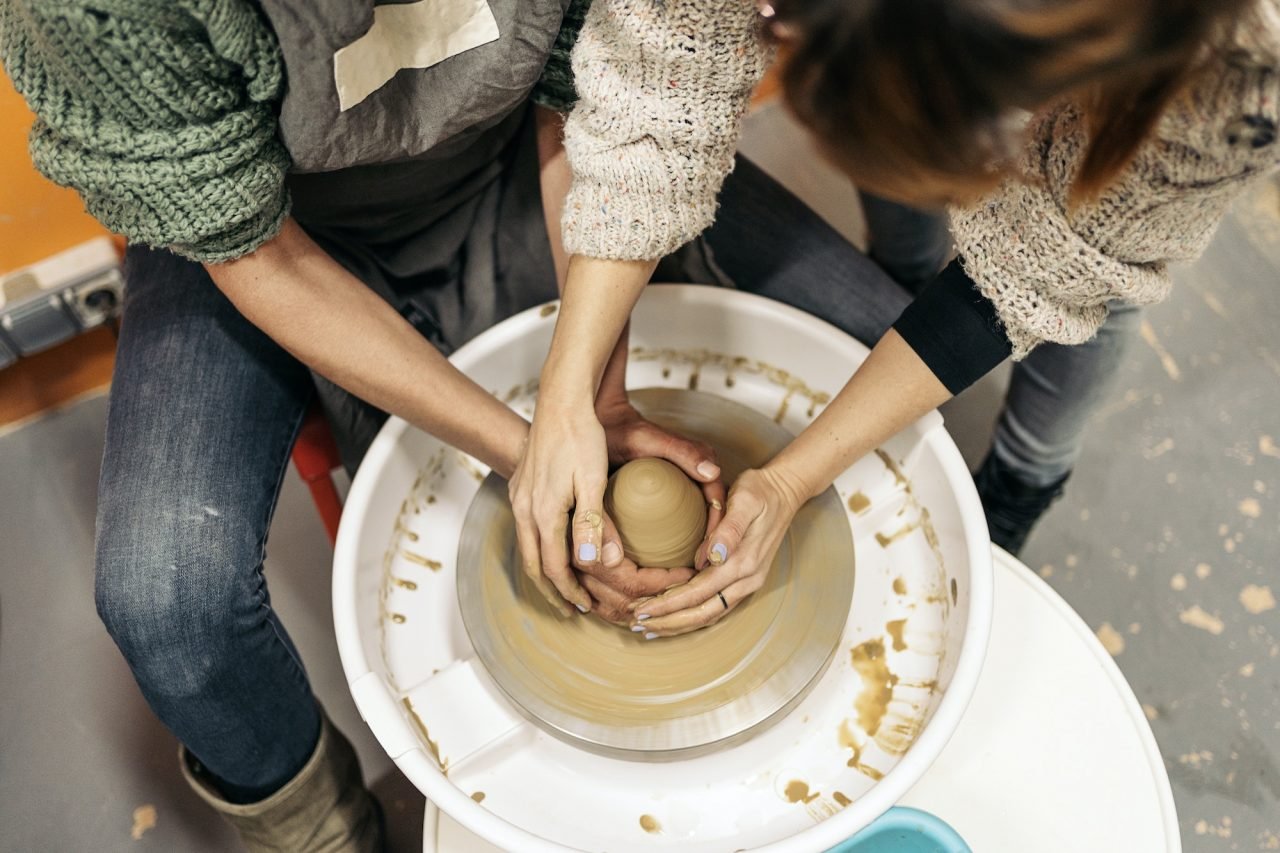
315,455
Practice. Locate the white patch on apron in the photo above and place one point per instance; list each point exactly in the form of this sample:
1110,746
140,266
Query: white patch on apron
409,35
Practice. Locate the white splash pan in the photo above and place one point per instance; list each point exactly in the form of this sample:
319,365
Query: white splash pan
412,673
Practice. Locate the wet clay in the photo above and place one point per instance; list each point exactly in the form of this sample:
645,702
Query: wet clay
610,689
659,512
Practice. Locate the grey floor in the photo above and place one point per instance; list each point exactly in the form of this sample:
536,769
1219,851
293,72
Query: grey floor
1166,542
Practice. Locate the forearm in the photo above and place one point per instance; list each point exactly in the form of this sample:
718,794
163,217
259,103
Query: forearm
292,290
892,389
598,298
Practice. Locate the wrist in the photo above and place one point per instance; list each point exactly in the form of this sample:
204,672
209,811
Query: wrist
793,488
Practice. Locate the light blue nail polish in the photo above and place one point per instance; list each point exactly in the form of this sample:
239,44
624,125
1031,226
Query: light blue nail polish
720,552
587,552
651,636
642,617
581,609
636,629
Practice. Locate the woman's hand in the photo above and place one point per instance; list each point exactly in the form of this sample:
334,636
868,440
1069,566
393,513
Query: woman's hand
564,468
735,556
629,435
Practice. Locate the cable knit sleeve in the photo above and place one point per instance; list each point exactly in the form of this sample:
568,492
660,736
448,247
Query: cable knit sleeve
161,115
662,86
1051,268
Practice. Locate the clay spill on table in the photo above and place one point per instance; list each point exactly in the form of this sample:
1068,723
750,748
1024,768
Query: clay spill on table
478,796
698,359
895,629
877,684
859,503
404,584
433,565
841,799
901,533
650,824
432,746
144,819
850,741
900,586
548,309
955,592
798,792
431,477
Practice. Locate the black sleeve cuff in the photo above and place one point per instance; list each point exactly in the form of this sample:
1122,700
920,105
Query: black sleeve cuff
954,329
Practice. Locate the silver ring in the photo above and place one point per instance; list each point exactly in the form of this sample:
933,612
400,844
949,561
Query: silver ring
722,601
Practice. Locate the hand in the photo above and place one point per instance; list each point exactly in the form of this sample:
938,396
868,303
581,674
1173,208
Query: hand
556,474
629,435
615,582
564,468
735,557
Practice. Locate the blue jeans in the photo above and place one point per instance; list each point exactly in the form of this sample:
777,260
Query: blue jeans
203,413
1053,392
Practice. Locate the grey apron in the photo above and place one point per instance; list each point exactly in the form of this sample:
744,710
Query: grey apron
416,165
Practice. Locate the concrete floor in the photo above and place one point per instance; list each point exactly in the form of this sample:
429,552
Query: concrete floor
1166,542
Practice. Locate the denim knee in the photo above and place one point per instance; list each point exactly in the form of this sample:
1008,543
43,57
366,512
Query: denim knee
166,589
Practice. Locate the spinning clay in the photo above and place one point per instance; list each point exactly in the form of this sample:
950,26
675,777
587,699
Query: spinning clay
659,512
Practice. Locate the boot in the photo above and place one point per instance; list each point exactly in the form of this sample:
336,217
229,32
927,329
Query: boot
1012,506
324,809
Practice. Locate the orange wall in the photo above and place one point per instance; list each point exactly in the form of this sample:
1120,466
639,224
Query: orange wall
37,219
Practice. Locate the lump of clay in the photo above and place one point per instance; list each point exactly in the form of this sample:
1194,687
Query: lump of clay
659,512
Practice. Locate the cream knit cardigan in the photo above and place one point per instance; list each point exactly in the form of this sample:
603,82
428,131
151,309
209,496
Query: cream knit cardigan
1052,269
663,87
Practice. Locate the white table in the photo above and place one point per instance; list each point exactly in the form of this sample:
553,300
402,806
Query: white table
1054,754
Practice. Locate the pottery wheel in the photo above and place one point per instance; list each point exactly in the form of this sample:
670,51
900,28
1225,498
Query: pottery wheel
607,689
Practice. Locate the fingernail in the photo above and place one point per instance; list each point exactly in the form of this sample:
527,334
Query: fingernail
716,505
587,552
636,629
642,617
708,470
718,554
651,636
581,609
612,553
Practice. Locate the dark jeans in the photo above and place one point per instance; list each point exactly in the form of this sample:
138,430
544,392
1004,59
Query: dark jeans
203,412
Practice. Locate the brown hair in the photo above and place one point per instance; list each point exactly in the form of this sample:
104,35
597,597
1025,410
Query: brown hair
917,99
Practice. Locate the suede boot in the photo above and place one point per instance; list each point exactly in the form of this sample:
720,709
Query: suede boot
1012,506
324,809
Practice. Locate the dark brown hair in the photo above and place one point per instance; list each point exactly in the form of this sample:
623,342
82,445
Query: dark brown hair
918,99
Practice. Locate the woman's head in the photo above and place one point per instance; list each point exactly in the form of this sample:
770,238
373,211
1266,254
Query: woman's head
919,99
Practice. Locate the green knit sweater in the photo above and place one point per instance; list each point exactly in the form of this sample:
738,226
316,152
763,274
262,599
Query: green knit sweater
162,113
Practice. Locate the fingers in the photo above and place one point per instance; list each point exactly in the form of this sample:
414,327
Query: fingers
611,605
713,493
554,553
695,458
588,524
723,539
701,615
531,563
636,583
701,587
611,551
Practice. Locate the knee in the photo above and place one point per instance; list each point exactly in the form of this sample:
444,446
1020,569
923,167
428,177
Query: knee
165,592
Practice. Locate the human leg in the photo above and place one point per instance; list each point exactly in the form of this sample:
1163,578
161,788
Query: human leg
201,419
1040,432
911,245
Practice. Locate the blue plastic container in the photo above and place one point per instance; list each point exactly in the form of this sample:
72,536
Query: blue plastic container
905,830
